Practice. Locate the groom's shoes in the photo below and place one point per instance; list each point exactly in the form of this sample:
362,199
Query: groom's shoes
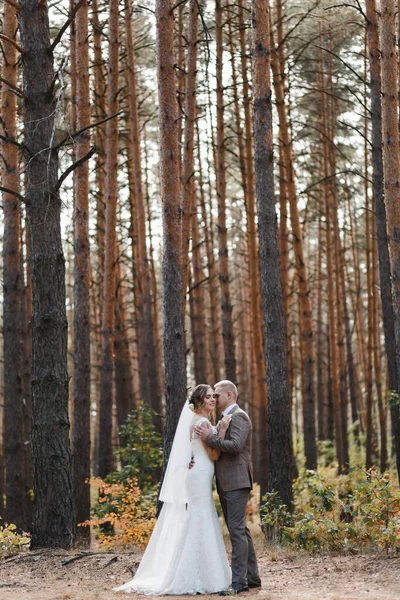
234,589
256,584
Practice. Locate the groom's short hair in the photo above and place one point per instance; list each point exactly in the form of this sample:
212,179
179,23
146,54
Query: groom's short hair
229,386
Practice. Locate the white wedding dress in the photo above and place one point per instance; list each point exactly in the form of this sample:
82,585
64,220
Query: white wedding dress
186,552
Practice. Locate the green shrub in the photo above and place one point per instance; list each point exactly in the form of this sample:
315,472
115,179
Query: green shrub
142,454
123,513
348,513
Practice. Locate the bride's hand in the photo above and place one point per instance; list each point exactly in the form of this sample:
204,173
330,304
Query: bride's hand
225,422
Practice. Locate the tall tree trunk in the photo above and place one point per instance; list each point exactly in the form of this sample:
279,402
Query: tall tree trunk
124,390
174,336
377,351
334,390
260,398
199,329
306,323
279,421
53,523
106,461
369,460
154,293
214,344
26,307
383,249
81,433
339,293
99,113
16,500
220,172
148,365
320,346
187,175
391,162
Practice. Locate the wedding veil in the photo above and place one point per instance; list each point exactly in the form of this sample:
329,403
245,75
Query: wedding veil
173,488
157,565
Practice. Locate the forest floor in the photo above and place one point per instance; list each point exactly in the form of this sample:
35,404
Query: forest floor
52,575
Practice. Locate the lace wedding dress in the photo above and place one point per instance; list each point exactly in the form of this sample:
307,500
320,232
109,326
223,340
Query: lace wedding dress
186,552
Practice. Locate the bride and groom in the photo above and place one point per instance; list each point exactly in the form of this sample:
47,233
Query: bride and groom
186,552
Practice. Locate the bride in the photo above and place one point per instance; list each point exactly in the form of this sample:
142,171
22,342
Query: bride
186,552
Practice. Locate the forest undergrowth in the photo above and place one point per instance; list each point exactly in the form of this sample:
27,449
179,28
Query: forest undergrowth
351,513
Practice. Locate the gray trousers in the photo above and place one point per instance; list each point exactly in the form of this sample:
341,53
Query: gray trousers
244,562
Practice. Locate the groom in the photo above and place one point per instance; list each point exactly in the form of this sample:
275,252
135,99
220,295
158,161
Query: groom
234,482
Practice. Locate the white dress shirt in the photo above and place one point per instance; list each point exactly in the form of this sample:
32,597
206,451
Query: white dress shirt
228,410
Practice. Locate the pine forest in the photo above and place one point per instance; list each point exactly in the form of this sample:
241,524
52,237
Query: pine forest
195,191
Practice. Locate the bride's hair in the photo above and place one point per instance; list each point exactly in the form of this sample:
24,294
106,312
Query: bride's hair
197,395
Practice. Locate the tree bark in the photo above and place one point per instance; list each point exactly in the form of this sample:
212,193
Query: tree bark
220,173
187,176
81,433
306,324
106,460
391,160
148,364
260,398
53,522
16,500
174,337
214,342
198,314
383,248
279,421
124,389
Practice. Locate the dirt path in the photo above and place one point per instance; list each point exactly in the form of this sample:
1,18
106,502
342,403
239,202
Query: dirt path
284,576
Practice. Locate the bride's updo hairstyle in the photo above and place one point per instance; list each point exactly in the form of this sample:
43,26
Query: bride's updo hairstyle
197,395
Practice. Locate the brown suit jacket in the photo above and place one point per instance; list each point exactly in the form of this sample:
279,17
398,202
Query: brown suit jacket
233,468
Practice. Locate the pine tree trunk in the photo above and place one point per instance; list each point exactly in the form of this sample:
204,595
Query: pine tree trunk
214,342
187,175
53,523
199,329
260,397
81,433
26,307
106,459
220,172
174,337
320,346
383,249
148,365
391,162
306,324
124,390
16,500
377,351
334,391
369,460
279,421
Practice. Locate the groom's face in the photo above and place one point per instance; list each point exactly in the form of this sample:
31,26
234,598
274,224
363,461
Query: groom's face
222,397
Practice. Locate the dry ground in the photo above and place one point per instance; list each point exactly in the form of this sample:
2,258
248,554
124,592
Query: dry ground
285,576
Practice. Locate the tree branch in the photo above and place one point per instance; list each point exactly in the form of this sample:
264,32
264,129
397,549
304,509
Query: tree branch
176,5
13,87
14,4
8,39
10,140
67,24
20,197
78,133
74,166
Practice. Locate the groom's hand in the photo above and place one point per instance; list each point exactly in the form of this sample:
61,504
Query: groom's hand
203,430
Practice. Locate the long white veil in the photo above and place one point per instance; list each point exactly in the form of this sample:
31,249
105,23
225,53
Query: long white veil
157,565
